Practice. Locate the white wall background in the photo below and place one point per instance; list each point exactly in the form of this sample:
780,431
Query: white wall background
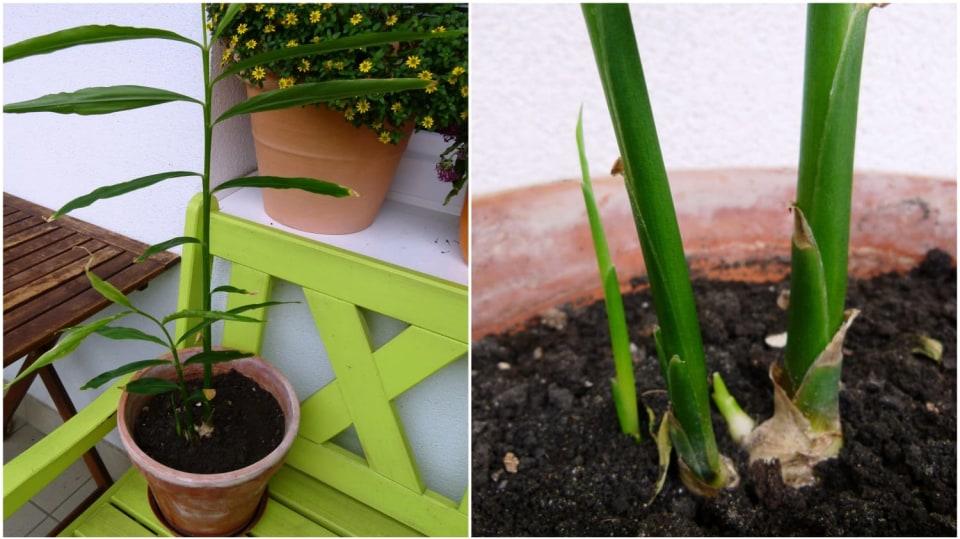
725,82
51,158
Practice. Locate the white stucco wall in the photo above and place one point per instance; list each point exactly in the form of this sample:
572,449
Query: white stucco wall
50,159
725,82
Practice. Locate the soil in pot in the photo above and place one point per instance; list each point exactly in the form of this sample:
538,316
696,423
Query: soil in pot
543,394
248,424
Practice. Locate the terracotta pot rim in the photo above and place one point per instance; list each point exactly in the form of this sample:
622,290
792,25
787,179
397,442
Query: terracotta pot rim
223,479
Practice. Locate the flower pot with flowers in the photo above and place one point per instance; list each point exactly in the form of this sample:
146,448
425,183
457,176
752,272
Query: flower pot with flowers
357,142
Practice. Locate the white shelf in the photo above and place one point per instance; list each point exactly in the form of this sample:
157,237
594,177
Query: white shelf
413,237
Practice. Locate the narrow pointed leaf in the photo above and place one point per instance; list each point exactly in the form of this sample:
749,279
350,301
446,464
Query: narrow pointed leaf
231,290
120,371
151,386
319,92
110,191
69,341
108,291
164,245
252,306
129,334
342,43
85,35
698,448
208,315
98,100
310,185
210,321
216,356
228,15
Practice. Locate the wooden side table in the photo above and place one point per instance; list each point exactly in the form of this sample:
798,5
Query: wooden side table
45,291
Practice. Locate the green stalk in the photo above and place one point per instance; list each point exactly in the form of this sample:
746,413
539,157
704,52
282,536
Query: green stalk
205,229
623,386
618,60
834,55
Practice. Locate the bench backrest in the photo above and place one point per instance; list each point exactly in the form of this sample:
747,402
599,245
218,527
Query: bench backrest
336,284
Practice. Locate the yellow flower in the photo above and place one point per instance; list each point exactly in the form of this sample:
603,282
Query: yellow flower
356,19
426,122
271,12
251,43
269,29
348,114
209,25
376,125
366,66
292,43
242,29
396,107
463,115
391,20
363,106
439,30
328,65
385,137
286,82
425,75
258,8
327,6
226,56
290,19
432,87
304,65
457,71
315,39
340,65
258,73
463,91
315,16
412,62
234,40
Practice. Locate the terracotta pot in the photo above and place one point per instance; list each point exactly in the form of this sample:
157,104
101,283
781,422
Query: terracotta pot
532,246
211,504
465,229
317,142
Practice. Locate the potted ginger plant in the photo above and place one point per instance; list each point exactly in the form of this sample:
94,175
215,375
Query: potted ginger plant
356,141
172,414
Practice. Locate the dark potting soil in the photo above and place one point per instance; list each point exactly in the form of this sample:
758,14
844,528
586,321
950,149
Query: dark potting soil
543,394
248,424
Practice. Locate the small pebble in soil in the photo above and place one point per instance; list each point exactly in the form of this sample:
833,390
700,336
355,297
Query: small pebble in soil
511,463
554,318
503,366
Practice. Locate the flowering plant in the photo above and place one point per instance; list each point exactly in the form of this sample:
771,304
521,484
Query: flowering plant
440,107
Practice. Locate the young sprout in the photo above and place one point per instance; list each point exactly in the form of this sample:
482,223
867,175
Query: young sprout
678,341
623,386
805,428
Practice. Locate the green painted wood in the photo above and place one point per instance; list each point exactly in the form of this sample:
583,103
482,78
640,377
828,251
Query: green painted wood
431,515
129,495
405,361
332,509
346,338
191,266
416,298
108,521
279,520
247,336
27,474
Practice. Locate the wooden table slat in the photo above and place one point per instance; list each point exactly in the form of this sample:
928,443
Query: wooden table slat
26,224
12,267
49,267
28,234
35,244
13,217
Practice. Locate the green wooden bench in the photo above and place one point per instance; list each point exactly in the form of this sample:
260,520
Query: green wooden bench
323,489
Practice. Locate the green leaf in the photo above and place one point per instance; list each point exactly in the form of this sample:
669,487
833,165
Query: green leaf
310,185
110,191
216,356
129,334
252,306
231,290
69,341
319,92
84,35
228,15
341,43
208,315
98,100
151,386
164,245
107,290
698,446
120,371
202,325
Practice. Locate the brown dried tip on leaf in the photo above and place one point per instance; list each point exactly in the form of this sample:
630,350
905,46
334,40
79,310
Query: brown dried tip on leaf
783,300
354,193
802,234
511,463
729,480
929,347
617,169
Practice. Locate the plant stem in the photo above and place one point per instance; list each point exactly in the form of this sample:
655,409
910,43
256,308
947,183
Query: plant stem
205,228
618,60
834,55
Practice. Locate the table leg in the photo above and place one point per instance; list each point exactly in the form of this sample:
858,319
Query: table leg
13,398
66,409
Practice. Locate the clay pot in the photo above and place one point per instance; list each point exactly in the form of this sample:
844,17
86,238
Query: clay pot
465,229
533,249
317,142
219,504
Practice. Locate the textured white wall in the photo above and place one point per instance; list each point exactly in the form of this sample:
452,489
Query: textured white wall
725,83
50,159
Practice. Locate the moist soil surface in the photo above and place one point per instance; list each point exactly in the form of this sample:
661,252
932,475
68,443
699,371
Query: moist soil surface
543,394
248,424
